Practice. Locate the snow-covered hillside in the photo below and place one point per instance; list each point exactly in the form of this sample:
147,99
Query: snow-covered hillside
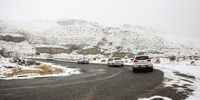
57,32
89,34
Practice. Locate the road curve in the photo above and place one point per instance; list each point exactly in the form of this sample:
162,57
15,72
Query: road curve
99,82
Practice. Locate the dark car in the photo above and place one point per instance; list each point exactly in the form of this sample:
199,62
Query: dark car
83,61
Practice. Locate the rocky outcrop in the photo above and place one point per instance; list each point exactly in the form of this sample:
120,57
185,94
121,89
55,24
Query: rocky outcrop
12,38
51,50
123,54
92,51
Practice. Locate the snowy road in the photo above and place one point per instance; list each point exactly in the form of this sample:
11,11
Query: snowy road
97,82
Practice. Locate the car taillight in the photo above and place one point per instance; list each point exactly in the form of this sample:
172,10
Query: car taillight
149,60
135,60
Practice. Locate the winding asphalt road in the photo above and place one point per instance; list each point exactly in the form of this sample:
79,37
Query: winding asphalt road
98,82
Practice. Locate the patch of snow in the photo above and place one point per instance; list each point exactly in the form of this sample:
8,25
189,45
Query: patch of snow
43,45
155,97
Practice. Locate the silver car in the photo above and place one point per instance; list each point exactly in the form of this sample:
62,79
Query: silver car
115,61
142,63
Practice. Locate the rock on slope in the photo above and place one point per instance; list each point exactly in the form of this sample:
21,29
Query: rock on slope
12,43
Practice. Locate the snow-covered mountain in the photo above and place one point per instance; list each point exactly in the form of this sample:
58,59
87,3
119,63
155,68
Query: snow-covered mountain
89,34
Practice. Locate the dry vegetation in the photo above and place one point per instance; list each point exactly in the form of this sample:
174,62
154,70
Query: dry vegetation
47,69
41,69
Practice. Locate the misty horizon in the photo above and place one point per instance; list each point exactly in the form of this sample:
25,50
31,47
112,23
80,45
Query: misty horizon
176,17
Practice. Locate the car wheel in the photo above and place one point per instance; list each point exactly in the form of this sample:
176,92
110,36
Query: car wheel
151,70
134,70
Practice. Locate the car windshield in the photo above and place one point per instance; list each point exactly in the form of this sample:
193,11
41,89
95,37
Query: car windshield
110,59
142,58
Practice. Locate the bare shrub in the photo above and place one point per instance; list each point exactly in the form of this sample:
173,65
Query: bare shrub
157,61
172,58
192,63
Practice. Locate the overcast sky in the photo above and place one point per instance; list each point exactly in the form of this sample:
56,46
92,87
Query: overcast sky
180,17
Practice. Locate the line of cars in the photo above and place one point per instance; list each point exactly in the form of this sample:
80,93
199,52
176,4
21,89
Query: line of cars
139,63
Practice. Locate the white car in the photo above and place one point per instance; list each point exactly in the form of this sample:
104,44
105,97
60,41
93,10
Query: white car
142,62
115,61
83,61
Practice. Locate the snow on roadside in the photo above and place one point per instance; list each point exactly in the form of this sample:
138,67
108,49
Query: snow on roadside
7,67
155,97
173,72
66,71
180,75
